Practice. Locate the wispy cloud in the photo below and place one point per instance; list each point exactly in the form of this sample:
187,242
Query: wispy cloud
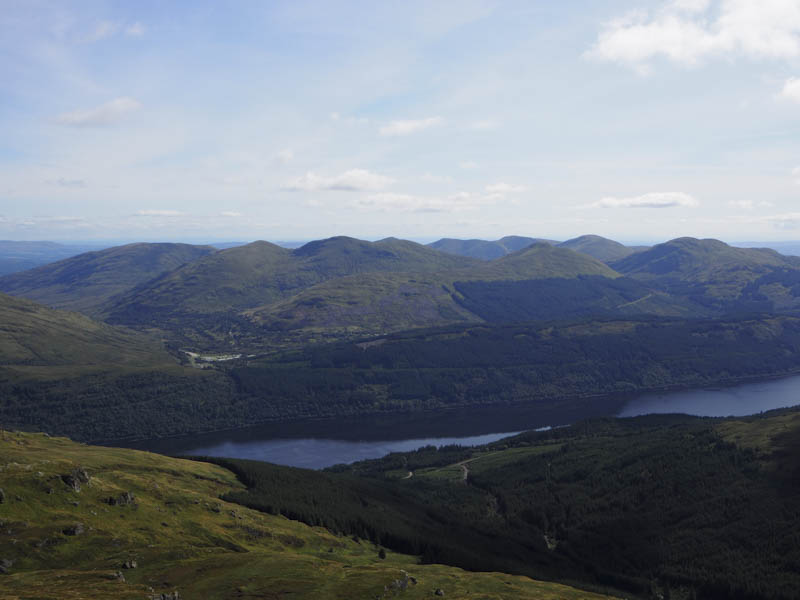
505,188
354,180
230,213
135,29
100,116
688,31
158,213
391,202
399,128
284,156
68,183
791,90
650,200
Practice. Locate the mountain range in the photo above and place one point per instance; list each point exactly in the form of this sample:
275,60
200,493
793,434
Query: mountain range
260,295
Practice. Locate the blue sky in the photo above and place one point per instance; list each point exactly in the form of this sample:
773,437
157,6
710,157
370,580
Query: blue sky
641,121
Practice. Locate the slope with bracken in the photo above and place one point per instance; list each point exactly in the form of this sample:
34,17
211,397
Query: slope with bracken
86,281
718,277
484,249
599,247
94,523
537,282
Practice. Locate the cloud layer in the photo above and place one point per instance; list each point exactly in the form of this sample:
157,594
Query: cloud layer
100,116
354,180
689,31
650,200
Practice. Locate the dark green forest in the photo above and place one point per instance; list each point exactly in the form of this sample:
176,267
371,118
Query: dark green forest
657,505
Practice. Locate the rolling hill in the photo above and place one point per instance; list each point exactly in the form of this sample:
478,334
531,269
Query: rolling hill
378,303
18,256
87,281
599,247
94,523
717,276
483,249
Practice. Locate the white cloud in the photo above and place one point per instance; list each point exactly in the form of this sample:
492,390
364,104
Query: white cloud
396,128
791,90
687,31
68,183
158,213
391,202
431,178
100,116
749,204
796,175
486,125
505,188
103,30
354,180
468,164
135,29
651,200
284,156
230,213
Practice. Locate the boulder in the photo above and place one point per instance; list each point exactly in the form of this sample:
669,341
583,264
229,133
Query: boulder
5,565
2,496
76,529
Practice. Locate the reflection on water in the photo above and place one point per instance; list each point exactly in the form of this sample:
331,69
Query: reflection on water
322,443
740,400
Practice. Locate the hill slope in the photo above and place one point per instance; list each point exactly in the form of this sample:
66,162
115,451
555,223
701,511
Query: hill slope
262,273
381,303
484,249
18,256
75,516
86,281
718,276
36,336
599,247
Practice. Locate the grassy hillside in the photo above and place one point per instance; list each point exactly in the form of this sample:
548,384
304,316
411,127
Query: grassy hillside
86,281
599,247
720,277
658,506
484,249
36,336
66,537
18,256
262,273
370,304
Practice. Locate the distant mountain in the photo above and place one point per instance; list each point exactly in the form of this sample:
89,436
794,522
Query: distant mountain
718,276
384,302
486,250
20,256
599,247
86,281
262,273
37,336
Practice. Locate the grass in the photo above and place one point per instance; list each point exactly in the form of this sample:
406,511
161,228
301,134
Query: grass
183,537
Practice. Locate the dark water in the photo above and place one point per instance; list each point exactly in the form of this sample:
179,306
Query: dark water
322,443
745,399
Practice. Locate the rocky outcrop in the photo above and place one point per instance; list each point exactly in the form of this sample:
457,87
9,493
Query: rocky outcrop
123,499
76,529
78,477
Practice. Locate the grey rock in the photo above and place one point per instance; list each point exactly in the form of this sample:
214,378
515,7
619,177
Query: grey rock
439,592
2,496
123,499
129,564
5,565
76,529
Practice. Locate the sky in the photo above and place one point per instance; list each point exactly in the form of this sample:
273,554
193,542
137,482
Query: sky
639,121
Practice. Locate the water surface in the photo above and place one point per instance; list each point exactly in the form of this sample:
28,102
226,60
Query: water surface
317,444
